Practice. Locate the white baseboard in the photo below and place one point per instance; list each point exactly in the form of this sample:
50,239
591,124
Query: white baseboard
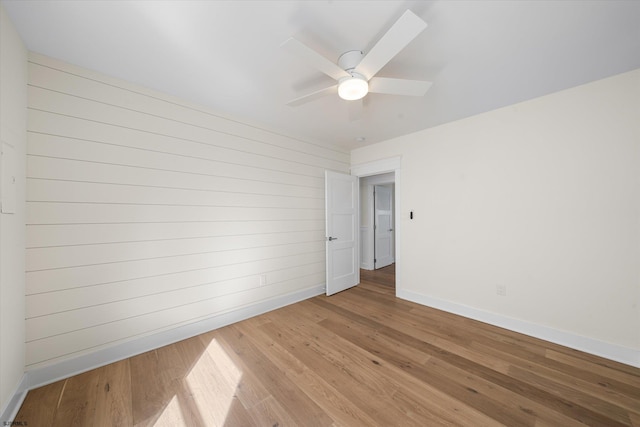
366,266
626,355
38,377
10,411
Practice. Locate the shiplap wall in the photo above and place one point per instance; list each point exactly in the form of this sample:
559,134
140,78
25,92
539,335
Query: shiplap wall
145,213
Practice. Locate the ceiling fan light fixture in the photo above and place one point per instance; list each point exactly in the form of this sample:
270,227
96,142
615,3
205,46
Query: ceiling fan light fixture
353,87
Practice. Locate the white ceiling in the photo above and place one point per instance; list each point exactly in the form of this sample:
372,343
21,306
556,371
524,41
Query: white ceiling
481,55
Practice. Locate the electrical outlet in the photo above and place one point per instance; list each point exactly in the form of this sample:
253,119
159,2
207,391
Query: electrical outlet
501,290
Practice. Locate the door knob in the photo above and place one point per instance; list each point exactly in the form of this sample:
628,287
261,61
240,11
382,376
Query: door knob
332,238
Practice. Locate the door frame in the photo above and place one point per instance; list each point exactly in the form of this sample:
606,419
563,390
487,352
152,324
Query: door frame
376,167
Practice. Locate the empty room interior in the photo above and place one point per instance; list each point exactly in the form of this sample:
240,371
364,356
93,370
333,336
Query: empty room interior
331,213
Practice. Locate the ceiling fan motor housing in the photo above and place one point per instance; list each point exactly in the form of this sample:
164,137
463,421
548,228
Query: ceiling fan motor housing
355,86
350,60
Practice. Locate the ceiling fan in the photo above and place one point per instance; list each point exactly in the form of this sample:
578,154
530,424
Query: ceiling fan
355,72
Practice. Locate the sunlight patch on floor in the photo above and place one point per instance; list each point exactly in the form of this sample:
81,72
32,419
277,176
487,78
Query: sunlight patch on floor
209,390
171,415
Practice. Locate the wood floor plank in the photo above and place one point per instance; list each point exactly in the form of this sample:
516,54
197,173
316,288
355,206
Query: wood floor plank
249,390
397,315
332,401
436,322
299,406
467,390
379,288
426,371
361,357
560,404
113,404
379,381
589,380
597,386
210,383
78,400
384,277
529,362
608,410
269,413
162,394
439,401
606,368
40,405
153,392
340,372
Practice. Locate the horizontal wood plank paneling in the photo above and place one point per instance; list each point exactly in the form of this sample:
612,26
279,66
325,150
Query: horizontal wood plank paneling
238,276
71,256
51,101
97,171
145,213
81,340
50,124
69,191
62,78
103,313
91,212
86,234
65,148
64,278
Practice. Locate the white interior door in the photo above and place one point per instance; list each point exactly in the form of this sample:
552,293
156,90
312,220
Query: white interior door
341,206
383,226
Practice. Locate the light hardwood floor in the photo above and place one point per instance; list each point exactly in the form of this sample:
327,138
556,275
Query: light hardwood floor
361,357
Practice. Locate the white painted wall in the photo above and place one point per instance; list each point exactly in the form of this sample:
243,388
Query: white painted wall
541,197
145,214
13,117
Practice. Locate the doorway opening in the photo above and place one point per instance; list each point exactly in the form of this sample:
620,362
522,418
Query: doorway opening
377,229
383,172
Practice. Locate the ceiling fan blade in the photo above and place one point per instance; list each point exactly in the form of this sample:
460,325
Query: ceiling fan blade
313,96
313,58
398,86
397,38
